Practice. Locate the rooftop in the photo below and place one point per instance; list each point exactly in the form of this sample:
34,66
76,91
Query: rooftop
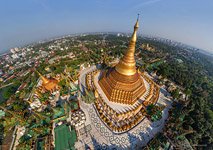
65,137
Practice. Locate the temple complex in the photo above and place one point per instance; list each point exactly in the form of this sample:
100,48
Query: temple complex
46,89
49,85
122,92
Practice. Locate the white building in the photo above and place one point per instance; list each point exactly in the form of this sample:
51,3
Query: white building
12,50
14,56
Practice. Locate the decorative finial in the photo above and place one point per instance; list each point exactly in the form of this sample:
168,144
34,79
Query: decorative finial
137,23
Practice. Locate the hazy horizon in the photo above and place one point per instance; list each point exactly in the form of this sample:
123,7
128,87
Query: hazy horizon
23,22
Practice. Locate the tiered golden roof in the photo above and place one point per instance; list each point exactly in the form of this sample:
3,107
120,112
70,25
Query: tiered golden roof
123,83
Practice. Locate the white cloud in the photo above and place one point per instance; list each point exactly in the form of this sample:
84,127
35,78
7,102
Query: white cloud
146,2
42,3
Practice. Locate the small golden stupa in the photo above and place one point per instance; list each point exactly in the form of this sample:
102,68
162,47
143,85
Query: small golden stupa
122,83
50,85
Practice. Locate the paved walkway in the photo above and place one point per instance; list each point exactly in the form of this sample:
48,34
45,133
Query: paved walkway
18,136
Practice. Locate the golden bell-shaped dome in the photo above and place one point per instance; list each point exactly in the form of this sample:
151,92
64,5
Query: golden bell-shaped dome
126,65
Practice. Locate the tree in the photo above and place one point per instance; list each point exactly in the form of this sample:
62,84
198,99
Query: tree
175,93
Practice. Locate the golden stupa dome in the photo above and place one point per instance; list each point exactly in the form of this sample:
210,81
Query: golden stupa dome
126,65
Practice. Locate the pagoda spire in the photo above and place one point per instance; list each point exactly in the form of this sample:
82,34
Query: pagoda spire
44,80
127,64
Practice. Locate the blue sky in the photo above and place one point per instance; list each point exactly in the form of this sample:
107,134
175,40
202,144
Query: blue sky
26,21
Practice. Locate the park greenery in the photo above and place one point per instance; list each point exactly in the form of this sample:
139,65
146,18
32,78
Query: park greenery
88,97
154,113
191,120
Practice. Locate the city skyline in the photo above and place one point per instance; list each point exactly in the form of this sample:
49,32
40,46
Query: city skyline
24,22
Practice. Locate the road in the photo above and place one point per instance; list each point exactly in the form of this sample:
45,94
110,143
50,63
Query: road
6,85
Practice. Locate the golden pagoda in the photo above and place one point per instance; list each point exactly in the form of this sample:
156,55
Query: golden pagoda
123,83
50,85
